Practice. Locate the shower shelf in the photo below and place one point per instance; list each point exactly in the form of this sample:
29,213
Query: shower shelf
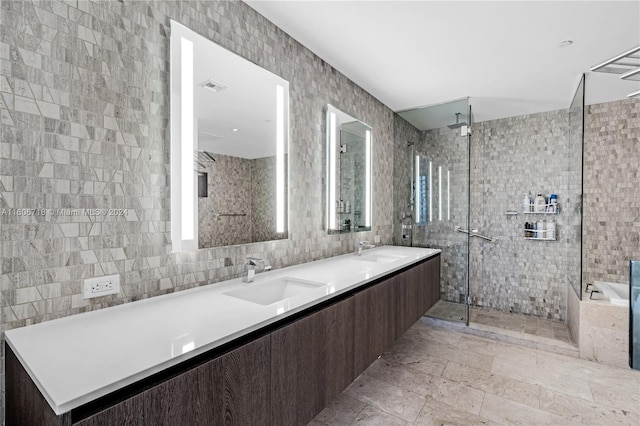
557,207
538,238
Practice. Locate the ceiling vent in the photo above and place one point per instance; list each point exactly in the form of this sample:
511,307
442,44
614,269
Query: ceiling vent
213,85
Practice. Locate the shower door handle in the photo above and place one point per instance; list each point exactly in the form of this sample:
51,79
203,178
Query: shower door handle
459,229
474,233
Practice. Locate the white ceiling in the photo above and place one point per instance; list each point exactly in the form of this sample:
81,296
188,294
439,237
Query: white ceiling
504,55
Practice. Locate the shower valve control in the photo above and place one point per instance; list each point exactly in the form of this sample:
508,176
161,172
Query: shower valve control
101,286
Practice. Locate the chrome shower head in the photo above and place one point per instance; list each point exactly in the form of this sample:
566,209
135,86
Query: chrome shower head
458,124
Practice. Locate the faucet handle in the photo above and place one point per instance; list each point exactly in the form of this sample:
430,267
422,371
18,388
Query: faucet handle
258,264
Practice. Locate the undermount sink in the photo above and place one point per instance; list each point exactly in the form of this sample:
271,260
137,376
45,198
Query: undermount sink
379,258
266,293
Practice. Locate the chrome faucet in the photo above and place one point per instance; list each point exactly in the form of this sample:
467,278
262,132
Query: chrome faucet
253,266
362,245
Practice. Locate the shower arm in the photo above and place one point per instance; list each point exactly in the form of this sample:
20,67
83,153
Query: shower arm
474,233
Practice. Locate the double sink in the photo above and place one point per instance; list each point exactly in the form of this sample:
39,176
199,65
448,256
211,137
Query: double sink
276,290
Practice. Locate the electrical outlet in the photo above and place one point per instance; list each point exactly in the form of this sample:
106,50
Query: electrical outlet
376,239
101,286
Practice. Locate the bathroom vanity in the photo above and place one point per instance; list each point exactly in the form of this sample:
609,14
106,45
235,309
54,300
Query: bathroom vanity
275,351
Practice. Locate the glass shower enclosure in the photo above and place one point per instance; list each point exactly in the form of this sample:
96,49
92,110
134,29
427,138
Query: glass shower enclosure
435,141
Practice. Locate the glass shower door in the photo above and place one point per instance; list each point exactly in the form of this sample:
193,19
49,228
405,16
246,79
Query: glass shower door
440,208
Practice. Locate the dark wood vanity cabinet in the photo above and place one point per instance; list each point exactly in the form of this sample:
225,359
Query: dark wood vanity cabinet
375,319
383,312
311,363
285,375
232,389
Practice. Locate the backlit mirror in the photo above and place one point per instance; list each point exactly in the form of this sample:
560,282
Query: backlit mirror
229,145
348,173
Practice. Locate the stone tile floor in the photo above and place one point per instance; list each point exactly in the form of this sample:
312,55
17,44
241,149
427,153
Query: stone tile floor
435,376
527,324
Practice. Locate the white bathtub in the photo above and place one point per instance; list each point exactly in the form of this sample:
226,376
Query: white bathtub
618,294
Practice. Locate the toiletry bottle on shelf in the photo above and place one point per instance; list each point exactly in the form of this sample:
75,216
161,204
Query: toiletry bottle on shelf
530,202
527,231
525,204
347,207
541,229
540,204
551,229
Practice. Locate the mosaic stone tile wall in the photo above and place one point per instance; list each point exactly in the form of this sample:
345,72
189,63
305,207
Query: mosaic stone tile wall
238,186
263,199
405,139
85,124
533,153
509,158
445,148
229,187
611,223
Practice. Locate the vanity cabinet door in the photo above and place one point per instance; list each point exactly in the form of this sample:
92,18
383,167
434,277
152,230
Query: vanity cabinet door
311,363
412,287
419,290
376,318
432,280
232,389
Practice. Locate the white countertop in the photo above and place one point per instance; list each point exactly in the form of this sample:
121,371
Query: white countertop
76,359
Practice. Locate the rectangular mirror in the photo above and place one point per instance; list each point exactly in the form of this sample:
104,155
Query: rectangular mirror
348,173
229,145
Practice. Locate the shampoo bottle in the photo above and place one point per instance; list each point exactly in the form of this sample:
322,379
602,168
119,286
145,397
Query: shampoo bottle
541,204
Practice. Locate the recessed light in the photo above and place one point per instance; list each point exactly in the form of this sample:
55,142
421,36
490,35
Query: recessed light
565,43
235,130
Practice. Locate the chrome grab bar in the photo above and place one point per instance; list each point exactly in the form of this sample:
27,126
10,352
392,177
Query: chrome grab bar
474,233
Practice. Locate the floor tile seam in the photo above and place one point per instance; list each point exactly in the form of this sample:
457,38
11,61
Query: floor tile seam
544,386
377,407
355,418
504,338
552,369
428,395
541,410
452,347
402,387
484,396
449,380
500,376
597,403
461,408
420,410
